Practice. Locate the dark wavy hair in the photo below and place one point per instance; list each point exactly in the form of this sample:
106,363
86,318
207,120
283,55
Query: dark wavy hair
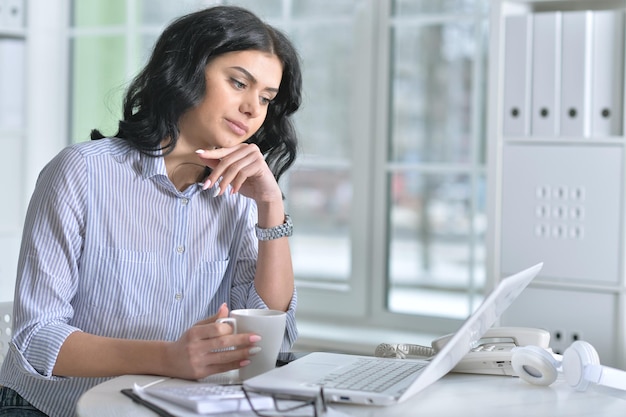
173,81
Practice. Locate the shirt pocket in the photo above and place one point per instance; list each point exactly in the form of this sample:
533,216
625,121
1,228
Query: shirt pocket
127,282
211,285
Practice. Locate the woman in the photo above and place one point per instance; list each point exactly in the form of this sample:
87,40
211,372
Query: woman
133,246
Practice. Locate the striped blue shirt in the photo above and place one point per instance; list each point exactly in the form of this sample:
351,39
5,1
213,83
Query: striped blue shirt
111,247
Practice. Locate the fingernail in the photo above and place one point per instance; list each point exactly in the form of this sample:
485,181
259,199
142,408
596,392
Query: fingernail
255,338
200,151
206,185
216,192
254,350
245,362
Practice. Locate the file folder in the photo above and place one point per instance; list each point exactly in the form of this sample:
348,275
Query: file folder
576,73
546,71
516,88
606,73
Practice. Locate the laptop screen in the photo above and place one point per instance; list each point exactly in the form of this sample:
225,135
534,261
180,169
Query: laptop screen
474,327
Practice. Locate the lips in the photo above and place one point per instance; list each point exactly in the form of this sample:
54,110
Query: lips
237,127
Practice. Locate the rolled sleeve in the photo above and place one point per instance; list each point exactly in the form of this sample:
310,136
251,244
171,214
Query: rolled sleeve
43,349
291,329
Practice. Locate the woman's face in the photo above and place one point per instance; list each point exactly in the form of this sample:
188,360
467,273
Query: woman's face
239,87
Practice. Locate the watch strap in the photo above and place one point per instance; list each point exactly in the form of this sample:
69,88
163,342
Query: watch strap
276,232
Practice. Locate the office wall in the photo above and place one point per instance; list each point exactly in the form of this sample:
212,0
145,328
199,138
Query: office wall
42,130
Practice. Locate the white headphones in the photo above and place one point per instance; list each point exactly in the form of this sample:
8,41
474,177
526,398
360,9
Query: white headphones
579,363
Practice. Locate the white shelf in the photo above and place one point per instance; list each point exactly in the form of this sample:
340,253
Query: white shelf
590,300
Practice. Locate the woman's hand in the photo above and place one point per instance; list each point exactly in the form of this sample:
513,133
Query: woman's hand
243,167
208,348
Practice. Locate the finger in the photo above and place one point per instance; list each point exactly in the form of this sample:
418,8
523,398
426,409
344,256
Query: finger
222,312
206,332
238,171
233,354
253,166
213,157
223,354
210,158
218,153
218,160
225,367
242,176
210,364
234,155
231,348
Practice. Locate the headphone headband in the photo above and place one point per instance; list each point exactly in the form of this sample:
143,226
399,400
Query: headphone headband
580,365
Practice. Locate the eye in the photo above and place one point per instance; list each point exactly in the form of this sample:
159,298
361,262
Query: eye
237,84
265,100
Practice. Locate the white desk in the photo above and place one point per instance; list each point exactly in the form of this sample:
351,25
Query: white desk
454,395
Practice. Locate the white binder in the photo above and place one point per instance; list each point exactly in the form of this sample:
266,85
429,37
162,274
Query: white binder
576,73
607,70
546,74
516,88
12,13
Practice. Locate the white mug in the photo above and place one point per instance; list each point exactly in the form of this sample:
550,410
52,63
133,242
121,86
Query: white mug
270,325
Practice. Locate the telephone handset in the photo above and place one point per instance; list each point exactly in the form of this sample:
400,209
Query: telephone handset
492,355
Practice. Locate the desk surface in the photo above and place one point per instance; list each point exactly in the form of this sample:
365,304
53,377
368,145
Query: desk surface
453,395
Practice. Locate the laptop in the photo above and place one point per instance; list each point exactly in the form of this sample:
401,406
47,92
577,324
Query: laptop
307,374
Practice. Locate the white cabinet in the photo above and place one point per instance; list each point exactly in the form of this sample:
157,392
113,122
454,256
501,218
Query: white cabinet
556,166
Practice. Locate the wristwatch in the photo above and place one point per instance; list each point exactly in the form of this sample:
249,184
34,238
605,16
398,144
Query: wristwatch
276,232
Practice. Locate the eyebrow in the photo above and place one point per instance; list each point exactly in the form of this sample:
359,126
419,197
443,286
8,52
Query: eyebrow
253,79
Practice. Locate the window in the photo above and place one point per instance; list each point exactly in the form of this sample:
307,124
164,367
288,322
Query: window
388,193
435,163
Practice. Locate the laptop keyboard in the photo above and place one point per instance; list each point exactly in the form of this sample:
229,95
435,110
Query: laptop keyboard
372,375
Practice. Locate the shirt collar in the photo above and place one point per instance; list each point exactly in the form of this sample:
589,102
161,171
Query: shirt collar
152,166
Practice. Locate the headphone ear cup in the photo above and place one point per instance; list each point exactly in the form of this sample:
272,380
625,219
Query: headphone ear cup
535,365
575,358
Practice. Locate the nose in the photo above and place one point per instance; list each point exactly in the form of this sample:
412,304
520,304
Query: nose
250,106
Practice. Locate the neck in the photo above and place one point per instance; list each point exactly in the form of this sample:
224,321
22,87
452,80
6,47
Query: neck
183,174
183,167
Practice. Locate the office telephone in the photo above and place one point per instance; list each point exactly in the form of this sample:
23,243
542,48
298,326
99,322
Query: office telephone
492,355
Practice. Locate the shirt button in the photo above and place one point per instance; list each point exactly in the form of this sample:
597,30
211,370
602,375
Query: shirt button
178,297
184,201
180,249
